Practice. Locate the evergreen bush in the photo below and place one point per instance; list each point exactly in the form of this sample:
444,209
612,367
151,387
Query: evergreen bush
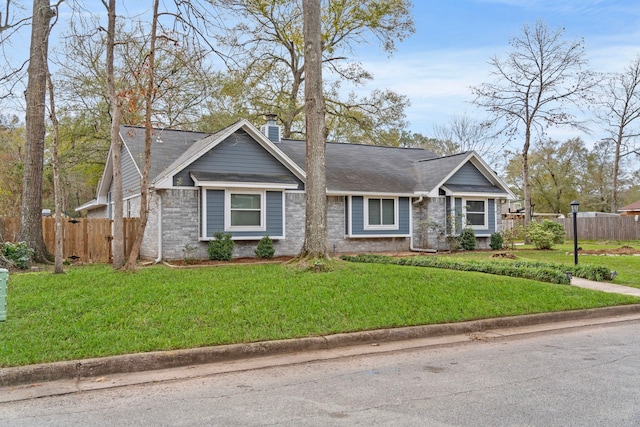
221,248
265,248
467,239
496,242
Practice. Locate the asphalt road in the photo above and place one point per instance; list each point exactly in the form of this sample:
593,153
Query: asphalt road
585,377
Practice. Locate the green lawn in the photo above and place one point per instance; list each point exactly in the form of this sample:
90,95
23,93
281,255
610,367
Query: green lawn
94,311
627,266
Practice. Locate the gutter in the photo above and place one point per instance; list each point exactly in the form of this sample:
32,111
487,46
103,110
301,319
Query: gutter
159,258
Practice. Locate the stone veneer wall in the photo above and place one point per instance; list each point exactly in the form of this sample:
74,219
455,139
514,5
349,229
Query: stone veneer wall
425,212
180,227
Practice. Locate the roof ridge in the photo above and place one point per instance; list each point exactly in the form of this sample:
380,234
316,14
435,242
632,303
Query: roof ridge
359,144
167,129
464,153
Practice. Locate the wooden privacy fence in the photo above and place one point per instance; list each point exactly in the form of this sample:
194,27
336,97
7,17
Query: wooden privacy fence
595,228
84,240
603,228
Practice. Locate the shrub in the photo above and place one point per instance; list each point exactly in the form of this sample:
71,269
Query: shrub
467,239
496,241
545,234
18,253
221,249
535,271
265,248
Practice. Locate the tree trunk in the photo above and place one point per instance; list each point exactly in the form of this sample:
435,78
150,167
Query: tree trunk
616,172
57,188
31,209
144,185
114,104
525,176
315,242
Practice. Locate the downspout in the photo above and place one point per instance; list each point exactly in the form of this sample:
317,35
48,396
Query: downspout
411,247
159,258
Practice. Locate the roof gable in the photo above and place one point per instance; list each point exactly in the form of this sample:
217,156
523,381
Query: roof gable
463,173
206,145
236,156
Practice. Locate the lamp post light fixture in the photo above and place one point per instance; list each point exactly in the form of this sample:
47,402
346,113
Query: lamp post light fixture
574,210
532,205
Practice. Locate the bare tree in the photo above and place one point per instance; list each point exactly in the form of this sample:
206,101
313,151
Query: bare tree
620,108
31,210
114,108
144,185
57,187
463,133
12,69
266,56
534,86
315,240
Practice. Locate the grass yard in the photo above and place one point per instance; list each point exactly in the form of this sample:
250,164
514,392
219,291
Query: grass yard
627,266
94,311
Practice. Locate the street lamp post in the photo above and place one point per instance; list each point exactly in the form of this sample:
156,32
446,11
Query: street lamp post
574,210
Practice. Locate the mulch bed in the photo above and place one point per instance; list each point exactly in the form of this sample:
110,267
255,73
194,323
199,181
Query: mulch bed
623,250
235,261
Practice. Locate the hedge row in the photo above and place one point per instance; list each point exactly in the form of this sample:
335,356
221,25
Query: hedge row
542,272
584,271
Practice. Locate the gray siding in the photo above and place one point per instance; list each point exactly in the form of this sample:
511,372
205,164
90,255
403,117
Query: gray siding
130,176
457,214
238,154
274,213
491,217
274,220
357,218
468,174
215,211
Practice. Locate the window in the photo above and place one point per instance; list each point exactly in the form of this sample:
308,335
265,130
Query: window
245,211
381,213
476,215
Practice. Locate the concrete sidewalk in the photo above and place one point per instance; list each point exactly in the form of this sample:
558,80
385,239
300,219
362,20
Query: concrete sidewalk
605,287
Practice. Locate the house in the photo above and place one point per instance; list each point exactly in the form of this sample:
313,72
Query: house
250,183
632,209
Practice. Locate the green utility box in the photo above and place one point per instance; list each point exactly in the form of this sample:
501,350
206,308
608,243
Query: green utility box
4,278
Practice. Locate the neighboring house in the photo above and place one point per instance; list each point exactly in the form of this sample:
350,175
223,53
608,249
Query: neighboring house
251,183
632,209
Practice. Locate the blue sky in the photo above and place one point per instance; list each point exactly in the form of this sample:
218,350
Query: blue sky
454,39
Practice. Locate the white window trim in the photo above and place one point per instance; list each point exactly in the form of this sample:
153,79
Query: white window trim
485,226
367,226
227,211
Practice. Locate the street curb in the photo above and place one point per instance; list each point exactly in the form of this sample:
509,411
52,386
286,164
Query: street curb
156,360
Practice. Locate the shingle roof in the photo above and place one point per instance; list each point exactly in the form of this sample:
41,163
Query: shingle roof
352,168
167,145
433,171
635,206
364,168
